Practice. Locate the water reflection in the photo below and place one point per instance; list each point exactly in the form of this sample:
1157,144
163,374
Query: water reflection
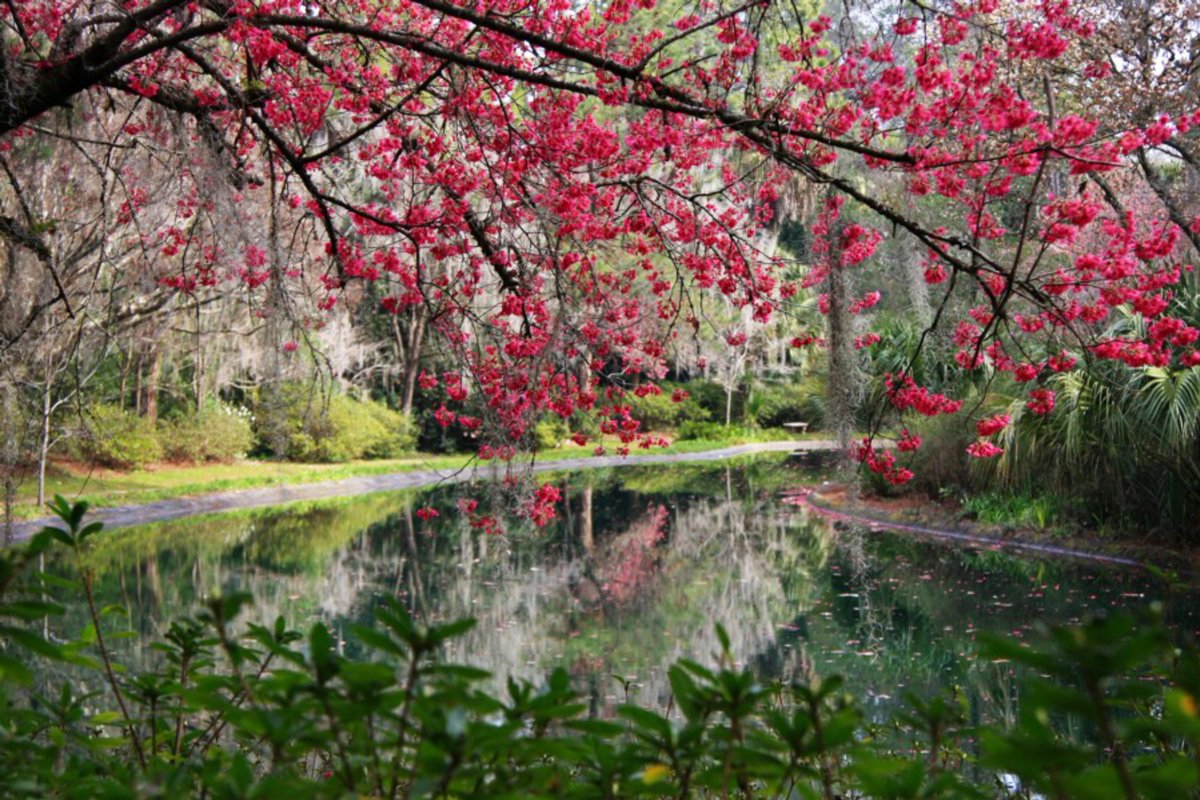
635,574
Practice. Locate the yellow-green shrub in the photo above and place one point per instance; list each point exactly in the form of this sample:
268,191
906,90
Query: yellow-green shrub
114,437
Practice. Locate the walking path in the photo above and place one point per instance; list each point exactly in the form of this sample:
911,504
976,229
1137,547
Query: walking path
121,516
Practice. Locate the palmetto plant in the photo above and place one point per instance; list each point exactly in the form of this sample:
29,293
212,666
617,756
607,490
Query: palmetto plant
1125,443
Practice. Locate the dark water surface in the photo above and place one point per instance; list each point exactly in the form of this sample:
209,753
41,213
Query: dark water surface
639,567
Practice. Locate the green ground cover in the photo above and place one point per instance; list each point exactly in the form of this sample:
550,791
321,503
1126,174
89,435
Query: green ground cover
106,487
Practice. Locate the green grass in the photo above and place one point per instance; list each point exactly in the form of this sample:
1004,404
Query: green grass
1020,510
106,488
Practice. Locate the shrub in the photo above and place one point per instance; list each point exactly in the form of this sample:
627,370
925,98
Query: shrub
343,431
1026,510
770,406
114,437
217,432
696,431
941,464
550,432
710,396
400,436
310,427
659,412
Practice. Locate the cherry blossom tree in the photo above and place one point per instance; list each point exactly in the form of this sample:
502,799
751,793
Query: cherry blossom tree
554,184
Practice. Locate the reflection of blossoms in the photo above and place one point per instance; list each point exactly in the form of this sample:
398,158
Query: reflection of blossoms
635,562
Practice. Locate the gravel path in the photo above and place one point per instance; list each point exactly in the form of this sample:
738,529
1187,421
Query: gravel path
121,516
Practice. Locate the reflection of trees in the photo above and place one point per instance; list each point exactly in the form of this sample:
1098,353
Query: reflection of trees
299,563
743,564
624,583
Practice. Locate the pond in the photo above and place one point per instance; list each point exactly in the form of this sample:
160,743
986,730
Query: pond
635,573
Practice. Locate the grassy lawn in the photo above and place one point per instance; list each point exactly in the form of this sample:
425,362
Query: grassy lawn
103,487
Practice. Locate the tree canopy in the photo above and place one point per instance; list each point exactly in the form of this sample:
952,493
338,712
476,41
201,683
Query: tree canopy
562,188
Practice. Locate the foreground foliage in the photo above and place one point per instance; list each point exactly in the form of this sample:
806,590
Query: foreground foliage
233,710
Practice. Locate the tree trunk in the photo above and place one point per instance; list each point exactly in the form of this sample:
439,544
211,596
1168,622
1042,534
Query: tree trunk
412,362
587,531
198,365
843,369
151,405
138,394
44,445
125,377
8,426
918,289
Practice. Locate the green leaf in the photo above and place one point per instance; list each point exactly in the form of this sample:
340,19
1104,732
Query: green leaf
1097,783
89,530
13,670
723,638
650,724
376,640
595,727
449,631
366,676
57,581
1177,777
31,609
32,642
320,644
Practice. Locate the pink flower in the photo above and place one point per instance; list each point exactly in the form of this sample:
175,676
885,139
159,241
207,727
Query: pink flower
866,340
983,449
1041,401
1026,372
993,425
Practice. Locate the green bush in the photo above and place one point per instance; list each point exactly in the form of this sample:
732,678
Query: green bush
941,465
400,432
550,432
771,405
114,437
710,396
1025,510
314,428
222,709
706,431
217,432
658,412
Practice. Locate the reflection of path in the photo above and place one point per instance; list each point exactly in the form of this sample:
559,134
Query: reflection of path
278,495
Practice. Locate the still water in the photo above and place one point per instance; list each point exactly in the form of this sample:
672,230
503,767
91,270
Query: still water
639,567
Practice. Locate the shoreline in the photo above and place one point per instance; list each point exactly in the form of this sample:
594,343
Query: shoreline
934,522
238,499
